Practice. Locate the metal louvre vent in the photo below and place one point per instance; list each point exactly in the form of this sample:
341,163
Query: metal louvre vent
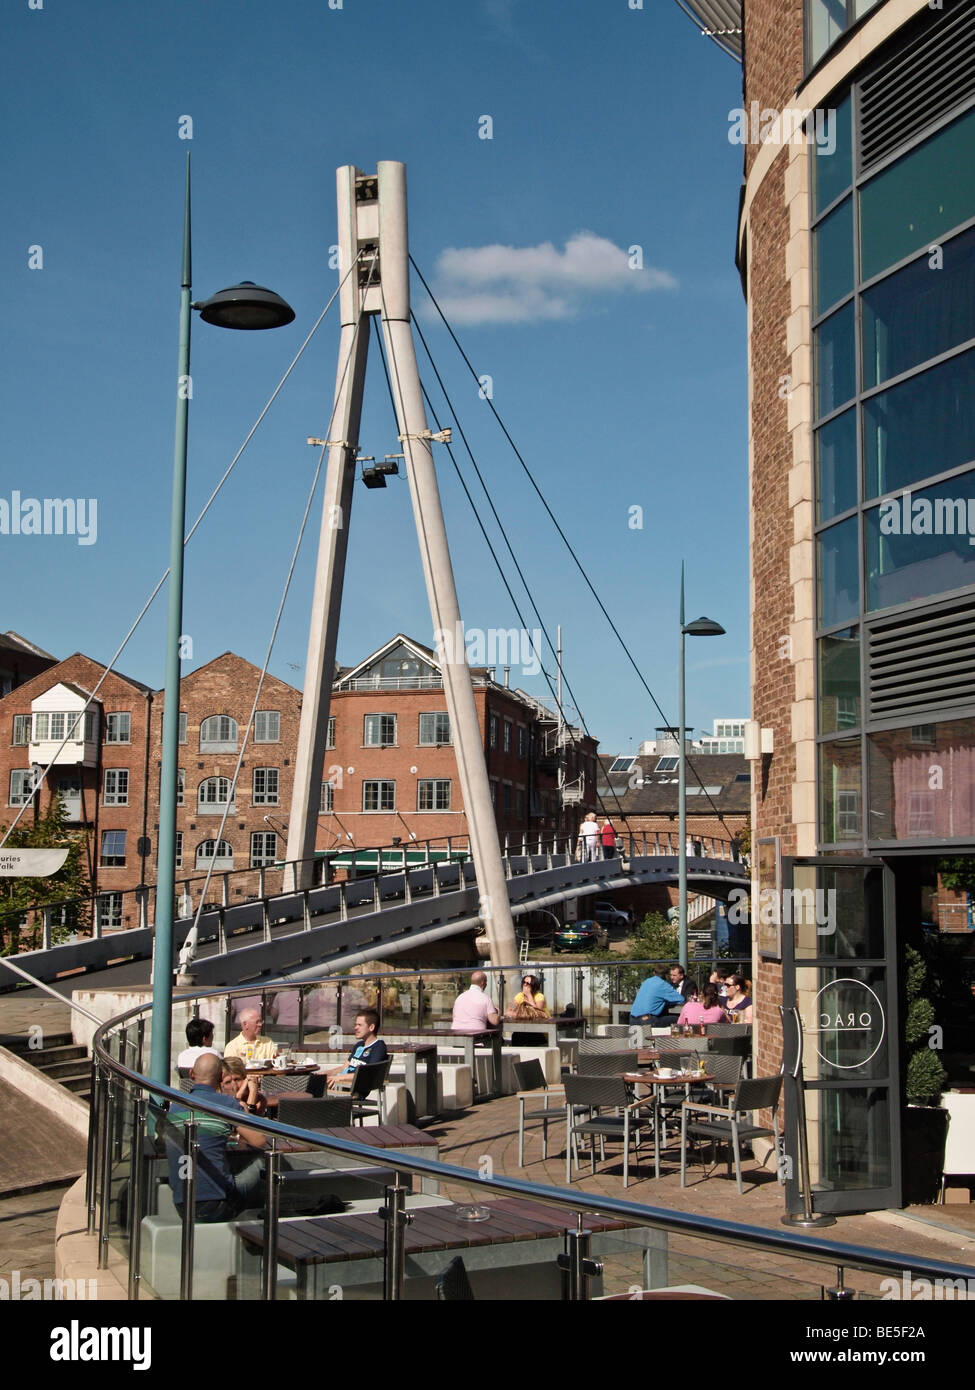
922,663
930,73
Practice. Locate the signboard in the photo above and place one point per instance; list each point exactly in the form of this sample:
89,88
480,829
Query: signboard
31,863
768,926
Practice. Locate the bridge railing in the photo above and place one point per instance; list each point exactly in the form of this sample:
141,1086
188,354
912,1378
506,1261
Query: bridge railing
115,910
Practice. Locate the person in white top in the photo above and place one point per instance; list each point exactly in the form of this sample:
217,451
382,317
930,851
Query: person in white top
589,846
199,1035
474,1010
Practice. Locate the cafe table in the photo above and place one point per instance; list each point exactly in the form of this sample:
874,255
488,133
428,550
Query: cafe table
659,1084
511,1255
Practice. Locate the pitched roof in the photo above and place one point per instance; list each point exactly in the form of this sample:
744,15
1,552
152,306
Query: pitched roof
643,791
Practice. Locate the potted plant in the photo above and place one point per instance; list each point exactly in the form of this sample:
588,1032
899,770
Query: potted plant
925,1122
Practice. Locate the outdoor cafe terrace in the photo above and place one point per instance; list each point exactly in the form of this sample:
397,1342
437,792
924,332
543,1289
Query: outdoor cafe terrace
454,1154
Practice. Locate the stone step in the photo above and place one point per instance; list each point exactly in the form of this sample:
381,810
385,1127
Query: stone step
80,1085
61,1070
51,1041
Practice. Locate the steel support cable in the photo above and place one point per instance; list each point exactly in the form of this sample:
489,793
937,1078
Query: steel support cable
186,540
494,556
565,540
189,948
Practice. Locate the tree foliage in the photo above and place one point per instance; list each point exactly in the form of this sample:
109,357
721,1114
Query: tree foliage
19,896
925,1076
958,874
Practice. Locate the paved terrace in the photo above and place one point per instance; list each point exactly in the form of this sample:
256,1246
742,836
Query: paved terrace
38,1156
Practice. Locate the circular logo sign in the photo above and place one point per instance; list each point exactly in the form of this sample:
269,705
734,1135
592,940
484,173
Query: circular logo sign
850,1010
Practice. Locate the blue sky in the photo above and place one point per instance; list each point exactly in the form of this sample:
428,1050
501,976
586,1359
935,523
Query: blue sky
623,387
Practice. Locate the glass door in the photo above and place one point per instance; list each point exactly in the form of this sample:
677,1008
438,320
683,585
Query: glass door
839,955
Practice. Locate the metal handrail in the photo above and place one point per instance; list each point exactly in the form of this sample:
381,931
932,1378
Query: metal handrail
801,1246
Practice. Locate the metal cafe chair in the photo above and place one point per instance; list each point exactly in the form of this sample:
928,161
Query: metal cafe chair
731,1124
369,1078
331,1112
597,1094
607,1063
532,1086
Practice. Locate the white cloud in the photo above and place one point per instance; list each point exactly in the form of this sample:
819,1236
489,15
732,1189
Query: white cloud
522,284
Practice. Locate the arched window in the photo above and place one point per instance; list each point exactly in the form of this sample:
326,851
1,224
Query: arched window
213,796
218,734
219,853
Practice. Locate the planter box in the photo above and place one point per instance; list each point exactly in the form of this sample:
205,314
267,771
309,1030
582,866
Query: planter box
925,1128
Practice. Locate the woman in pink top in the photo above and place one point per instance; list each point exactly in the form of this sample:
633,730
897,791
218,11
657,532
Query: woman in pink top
707,1011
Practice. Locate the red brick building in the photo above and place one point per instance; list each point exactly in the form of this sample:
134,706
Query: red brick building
101,774
392,764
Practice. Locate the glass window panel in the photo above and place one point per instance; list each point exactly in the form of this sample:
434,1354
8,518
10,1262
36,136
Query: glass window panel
835,361
919,198
903,803
833,252
853,1129
925,425
839,792
837,571
827,21
839,681
836,465
919,543
833,162
921,311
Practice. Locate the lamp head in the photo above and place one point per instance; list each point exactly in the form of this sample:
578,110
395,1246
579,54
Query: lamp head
703,627
247,306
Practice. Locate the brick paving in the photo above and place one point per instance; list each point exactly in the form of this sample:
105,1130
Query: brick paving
486,1138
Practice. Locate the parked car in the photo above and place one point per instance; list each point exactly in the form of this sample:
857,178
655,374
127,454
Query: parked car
580,936
609,914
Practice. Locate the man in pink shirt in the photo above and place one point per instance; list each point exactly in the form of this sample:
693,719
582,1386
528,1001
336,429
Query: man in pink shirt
473,1010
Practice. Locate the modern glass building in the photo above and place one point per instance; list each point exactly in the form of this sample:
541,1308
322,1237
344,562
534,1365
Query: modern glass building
856,248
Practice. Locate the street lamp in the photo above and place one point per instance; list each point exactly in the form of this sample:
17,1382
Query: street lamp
700,627
246,306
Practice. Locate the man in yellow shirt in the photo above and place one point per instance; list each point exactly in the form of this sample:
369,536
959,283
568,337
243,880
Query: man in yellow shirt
250,1044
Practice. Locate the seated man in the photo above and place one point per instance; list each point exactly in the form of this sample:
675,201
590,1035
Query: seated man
199,1036
474,1010
684,987
220,1194
250,1043
368,1050
652,1000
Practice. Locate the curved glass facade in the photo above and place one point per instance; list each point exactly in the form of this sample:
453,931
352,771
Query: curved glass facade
828,20
893,287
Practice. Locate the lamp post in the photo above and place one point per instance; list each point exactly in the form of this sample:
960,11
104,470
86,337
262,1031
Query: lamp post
700,627
245,306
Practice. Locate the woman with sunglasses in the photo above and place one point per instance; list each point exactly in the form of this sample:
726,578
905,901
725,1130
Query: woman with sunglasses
738,1002
530,994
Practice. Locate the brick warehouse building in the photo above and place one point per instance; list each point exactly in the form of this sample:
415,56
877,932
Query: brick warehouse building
390,772
856,248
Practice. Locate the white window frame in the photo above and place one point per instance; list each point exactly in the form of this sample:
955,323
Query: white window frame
207,805
261,855
506,736
22,724
111,861
267,726
219,861
263,795
327,803
381,730
108,909
439,718
435,795
123,722
920,815
178,850
182,725
118,793
848,814
211,743
330,732
23,778
492,731
377,787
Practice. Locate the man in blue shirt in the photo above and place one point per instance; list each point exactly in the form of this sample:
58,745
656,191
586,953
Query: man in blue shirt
368,1050
220,1194
652,1000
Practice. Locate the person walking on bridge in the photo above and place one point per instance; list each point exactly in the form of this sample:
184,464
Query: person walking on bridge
589,839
